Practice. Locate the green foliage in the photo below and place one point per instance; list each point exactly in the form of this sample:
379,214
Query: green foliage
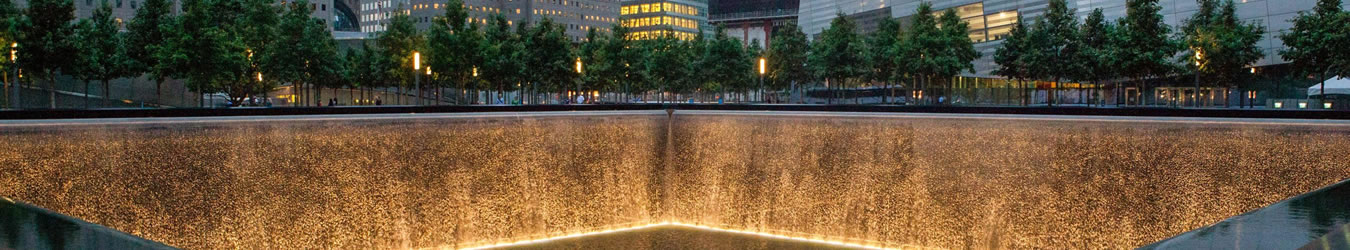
836,55
214,46
551,57
596,61
1057,44
1226,44
787,58
1145,46
101,54
145,34
958,51
455,47
1014,54
882,51
46,43
661,64
397,44
1098,55
924,40
727,65
1317,42
501,52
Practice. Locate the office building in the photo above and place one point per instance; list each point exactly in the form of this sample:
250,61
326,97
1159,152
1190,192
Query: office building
753,20
576,16
649,19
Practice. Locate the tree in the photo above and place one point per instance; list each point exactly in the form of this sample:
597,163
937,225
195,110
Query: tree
957,51
9,17
292,64
787,58
755,53
1098,54
726,64
1058,46
597,62
456,47
661,54
628,56
1145,47
46,46
1221,46
1014,56
1316,44
144,35
552,58
212,46
101,55
881,53
836,55
502,52
398,43
919,48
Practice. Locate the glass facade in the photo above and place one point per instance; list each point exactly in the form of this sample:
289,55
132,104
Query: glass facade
984,27
649,19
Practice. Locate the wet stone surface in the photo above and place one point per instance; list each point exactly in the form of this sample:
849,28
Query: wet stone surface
470,181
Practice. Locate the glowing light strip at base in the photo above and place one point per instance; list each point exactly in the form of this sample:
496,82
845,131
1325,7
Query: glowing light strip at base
679,224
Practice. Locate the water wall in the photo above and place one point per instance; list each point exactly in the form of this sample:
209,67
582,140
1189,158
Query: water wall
463,180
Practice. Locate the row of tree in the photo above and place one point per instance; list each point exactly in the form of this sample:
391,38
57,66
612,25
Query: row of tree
538,58
1213,44
214,45
248,47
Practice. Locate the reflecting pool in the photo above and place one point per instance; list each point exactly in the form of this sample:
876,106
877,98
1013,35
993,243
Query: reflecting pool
467,180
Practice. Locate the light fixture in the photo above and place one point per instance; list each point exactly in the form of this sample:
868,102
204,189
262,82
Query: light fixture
762,64
417,60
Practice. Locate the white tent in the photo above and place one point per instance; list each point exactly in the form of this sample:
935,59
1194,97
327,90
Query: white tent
1335,86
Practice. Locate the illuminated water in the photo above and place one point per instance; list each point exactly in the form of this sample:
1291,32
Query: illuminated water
414,181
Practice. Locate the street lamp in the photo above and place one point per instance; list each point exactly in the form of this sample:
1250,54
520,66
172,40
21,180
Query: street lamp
417,78
579,82
14,86
763,67
1199,56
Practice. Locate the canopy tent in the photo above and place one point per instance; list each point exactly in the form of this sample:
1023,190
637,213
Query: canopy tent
1335,86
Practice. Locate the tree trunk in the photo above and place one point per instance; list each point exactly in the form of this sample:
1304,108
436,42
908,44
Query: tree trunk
51,91
106,93
86,94
1322,78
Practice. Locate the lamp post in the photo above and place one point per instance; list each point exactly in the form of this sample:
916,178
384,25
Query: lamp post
1199,56
14,85
762,66
475,76
417,78
578,77
438,90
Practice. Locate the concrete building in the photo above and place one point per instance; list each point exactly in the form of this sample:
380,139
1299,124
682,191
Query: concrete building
753,20
649,19
576,16
335,14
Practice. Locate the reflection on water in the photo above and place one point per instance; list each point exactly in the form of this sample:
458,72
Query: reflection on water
460,182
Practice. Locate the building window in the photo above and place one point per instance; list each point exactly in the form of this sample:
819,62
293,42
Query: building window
323,7
119,3
133,4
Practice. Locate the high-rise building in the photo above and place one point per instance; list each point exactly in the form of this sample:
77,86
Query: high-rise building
991,20
648,19
125,10
576,16
753,20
